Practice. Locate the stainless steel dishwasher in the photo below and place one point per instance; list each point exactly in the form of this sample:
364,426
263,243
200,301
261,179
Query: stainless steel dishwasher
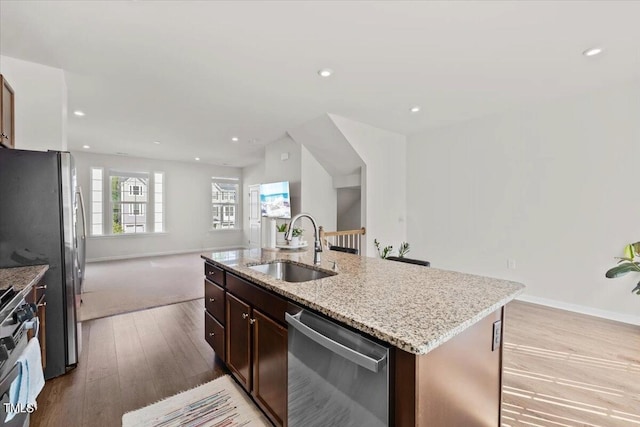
336,377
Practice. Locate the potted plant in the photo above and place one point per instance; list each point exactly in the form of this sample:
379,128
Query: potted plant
629,263
387,251
281,229
296,234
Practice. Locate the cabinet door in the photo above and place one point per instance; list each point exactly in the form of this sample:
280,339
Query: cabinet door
6,114
239,340
214,335
42,335
214,300
270,367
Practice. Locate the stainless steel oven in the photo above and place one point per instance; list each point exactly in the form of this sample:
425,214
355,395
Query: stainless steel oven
336,377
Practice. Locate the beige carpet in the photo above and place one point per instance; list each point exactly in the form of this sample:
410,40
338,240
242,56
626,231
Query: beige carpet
114,287
220,403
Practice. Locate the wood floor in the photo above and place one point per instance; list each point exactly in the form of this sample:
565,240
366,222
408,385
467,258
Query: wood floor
560,368
567,369
130,361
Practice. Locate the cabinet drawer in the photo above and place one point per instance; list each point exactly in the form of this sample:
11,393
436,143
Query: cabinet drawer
214,335
214,274
214,300
262,299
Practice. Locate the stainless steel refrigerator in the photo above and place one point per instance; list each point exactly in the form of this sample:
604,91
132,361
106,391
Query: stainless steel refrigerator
42,222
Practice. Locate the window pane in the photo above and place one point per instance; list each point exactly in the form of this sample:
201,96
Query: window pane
158,196
224,199
96,201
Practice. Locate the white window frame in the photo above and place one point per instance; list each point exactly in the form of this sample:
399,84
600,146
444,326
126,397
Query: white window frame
221,201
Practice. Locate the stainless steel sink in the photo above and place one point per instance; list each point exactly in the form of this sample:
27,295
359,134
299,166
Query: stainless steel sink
291,272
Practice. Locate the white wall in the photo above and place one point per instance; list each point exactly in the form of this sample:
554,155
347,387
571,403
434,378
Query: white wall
553,188
349,208
40,104
187,208
383,181
318,196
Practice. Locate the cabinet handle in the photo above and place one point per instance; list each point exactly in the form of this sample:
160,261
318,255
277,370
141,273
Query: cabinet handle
252,321
41,287
211,334
44,304
245,315
212,300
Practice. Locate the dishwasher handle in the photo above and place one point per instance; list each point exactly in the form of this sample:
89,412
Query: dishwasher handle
348,353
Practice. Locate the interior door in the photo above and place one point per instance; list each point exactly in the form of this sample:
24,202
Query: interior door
255,216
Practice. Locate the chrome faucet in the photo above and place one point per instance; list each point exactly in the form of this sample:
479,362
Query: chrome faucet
317,248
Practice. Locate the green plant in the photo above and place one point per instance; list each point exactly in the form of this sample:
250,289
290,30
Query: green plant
282,227
404,249
385,252
297,232
627,264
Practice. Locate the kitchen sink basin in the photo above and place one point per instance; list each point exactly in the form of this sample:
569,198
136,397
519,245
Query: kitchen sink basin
291,272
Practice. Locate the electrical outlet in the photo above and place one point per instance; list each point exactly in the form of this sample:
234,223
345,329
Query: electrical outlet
497,335
511,264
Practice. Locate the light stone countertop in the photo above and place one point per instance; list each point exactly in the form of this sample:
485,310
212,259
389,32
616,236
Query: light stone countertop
21,277
411,307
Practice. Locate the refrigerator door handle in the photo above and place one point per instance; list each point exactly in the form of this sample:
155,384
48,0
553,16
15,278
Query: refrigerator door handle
84,216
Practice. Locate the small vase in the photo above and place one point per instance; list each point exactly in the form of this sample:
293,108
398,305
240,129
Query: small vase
280,238
295,241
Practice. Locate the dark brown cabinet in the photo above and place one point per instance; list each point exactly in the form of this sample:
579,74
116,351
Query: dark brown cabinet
214,304
7,108
270,366
239,340
257,345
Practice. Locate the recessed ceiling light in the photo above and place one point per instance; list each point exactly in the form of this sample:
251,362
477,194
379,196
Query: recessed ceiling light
197,158
156,142
79,113
325,72
234,139
415,109
592,52
86,146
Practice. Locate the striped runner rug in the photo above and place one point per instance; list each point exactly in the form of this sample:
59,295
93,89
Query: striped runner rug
219,403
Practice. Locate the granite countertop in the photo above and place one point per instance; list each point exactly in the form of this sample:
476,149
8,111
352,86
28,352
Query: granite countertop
21,277
412,307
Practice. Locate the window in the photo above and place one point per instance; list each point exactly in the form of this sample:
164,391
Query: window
129,197
96,202
224,203
134,202
158,208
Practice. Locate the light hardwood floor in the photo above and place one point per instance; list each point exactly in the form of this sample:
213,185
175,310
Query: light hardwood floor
130,361
567,369
560,368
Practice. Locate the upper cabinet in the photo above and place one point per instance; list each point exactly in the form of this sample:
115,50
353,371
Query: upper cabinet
7,107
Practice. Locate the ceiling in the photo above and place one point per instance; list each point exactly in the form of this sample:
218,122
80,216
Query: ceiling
193,74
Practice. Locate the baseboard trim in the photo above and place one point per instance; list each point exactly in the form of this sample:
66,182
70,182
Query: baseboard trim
151,254
610,315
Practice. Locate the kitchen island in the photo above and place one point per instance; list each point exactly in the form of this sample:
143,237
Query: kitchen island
444,327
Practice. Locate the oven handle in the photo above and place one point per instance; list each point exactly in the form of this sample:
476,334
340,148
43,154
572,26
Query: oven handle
5,385
336,347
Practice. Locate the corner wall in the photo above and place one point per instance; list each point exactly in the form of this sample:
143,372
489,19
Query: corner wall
384,185
40,104
553,188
